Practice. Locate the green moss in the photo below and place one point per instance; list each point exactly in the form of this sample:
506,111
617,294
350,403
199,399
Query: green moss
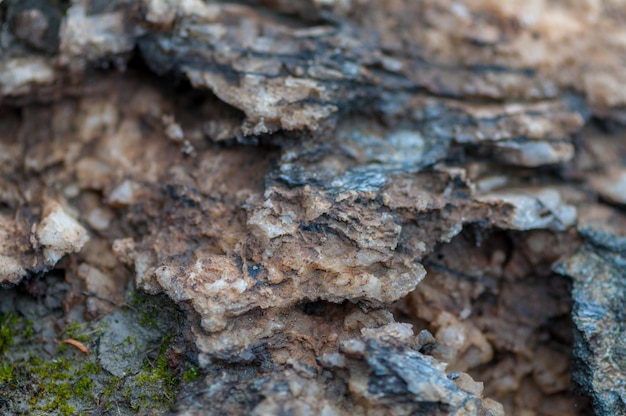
136,298
6,373
191,375
149,317
8,323
130,340
67,409
55,396
112,387
74,330
72,382
159,374
50,386
57,369
92,368
156,383
148,310
83,387
55,383
28,330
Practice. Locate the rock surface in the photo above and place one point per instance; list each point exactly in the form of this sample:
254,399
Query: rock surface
599,295
291,172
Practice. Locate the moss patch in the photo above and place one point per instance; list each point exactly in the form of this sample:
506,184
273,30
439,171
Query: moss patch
35,379
191,374
8,330
158,381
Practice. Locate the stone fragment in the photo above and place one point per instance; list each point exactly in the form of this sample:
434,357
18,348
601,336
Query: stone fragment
89,37
12,267
385,371
58,233
375,370
24,75
611,186
36,23
460,344
533,209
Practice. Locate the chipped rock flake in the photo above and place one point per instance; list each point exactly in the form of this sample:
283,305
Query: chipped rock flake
58,233
611,186
11,270
22,75
534,209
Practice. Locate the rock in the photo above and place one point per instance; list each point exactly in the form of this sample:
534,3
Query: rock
598,294
23,75
122,348
611,186
290,172
385,372
377,370
27,246
12,270
534,209
491,314
58,233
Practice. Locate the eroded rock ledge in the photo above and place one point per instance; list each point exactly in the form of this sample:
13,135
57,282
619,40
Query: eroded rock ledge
291,173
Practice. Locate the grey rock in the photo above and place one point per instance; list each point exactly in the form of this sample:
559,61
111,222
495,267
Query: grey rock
599,293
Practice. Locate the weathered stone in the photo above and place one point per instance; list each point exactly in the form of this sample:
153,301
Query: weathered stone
304,171
599,295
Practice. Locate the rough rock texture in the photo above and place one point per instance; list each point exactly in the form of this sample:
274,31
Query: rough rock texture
287,170
498,312
380,369
56,235
599,293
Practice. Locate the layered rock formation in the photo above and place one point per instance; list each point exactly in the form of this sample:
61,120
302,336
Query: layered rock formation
290,173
